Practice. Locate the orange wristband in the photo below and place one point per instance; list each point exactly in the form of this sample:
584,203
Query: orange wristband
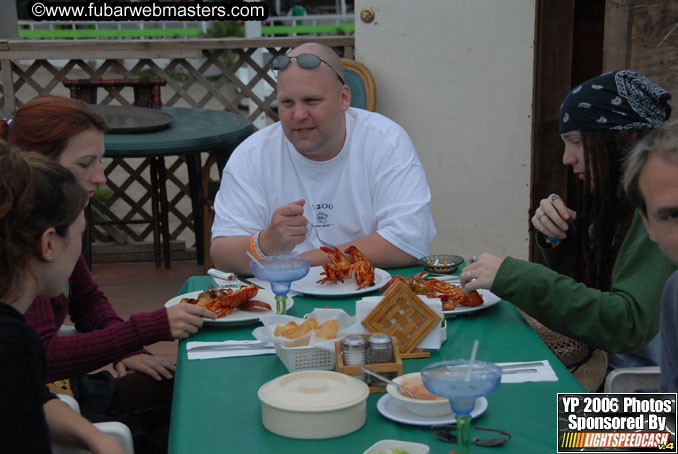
253,249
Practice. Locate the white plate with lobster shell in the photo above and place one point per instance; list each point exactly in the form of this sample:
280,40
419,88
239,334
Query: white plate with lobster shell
489,298
237,317
309,284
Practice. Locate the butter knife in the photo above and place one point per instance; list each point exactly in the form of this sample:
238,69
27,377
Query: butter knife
519,365
518,371
249,346
248,282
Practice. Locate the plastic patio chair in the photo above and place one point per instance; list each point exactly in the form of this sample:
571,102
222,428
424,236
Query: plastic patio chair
363,89
117,429
633,379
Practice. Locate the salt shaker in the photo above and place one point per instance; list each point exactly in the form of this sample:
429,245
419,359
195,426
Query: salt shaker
354,352
380,350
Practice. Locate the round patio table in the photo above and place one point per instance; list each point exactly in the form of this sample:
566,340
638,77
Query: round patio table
192,132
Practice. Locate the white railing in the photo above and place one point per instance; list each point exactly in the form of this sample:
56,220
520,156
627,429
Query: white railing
203,26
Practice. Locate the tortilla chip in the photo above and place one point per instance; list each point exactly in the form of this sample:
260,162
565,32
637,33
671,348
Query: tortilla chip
328,330
293,331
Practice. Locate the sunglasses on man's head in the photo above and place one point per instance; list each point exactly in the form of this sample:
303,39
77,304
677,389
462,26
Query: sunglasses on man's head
306,61
449,434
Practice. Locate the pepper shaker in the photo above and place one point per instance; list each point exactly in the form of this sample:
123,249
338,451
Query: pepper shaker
380,350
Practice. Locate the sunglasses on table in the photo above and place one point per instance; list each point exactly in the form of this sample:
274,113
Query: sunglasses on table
449,434
306,61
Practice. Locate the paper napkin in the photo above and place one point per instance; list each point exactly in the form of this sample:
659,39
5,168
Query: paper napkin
228,349
544,372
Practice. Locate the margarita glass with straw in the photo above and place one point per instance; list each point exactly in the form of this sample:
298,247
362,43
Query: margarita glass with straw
280,271
462,382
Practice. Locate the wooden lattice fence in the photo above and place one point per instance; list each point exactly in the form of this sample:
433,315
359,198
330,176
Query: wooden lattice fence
231,74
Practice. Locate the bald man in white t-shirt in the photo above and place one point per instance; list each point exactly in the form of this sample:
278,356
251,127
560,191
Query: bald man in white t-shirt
354,175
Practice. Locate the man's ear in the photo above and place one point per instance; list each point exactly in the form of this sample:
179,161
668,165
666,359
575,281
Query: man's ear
46,246
345,95
648,227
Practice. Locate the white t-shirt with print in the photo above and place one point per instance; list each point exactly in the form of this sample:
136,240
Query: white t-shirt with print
375,184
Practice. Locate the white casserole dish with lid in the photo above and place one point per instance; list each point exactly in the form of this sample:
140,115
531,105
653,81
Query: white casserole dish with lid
313,404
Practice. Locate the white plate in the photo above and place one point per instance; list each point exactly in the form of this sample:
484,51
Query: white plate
309,286
407,446
237,317
490,300
395,411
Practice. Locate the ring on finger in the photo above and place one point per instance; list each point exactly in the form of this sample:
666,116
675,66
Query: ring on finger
468,274
541,215
554,197
473,259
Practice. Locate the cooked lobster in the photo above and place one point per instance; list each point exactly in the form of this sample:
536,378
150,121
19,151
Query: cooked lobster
341,267
338,268
362,268
451,295
223,301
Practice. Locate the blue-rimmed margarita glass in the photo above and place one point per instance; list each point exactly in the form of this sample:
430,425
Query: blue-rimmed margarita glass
462,382
280,271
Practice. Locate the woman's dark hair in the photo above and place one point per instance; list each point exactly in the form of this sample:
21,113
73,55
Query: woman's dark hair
35,193
602,205
44,124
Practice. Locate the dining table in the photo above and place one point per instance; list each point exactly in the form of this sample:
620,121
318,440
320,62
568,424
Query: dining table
190,132
216,407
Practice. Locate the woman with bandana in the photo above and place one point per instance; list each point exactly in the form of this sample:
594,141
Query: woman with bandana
605,276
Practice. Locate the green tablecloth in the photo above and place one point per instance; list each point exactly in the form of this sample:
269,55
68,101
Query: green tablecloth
216,408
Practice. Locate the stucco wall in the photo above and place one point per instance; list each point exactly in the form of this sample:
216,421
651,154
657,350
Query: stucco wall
458,76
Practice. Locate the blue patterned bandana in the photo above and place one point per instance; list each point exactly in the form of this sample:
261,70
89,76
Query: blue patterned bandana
615,100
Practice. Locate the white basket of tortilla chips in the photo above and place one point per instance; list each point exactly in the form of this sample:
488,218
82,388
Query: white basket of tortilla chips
307,343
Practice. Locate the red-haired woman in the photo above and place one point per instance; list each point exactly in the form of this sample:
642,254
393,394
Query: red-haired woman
41,224
68,131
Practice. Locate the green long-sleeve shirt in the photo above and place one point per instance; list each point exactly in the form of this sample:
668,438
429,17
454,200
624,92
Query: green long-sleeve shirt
624,319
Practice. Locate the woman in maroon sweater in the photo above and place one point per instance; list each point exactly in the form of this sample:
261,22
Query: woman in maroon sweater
69,132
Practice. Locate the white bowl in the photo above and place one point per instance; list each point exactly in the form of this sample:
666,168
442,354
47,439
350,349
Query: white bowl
419,407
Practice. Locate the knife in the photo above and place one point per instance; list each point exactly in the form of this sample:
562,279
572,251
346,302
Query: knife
512,366
248,282
518,371
248,346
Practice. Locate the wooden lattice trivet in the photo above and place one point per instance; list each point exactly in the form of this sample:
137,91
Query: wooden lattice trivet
403,315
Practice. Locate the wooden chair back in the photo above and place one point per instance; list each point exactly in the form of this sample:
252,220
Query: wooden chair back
146,90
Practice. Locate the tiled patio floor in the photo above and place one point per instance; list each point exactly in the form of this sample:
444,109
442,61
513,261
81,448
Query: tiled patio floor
141,287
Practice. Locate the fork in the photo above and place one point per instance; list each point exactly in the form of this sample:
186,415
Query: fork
323,242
